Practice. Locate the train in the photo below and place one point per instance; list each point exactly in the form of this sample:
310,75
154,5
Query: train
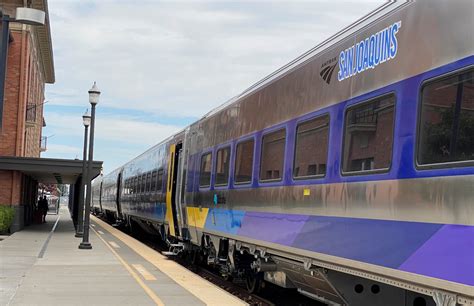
346,175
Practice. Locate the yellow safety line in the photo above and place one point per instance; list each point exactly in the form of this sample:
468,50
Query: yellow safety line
202,289
144,272
147,289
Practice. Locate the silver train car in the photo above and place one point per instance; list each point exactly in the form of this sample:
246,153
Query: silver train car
348,174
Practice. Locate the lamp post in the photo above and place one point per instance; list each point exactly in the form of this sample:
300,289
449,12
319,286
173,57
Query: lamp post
94,94
86,120
24,15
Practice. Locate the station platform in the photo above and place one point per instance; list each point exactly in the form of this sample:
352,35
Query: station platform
42,265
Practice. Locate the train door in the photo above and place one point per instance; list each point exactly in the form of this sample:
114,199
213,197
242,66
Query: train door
100,197
118,196
172,211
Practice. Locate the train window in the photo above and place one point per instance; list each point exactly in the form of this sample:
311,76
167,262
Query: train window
273,153
143,183
222,166
159,184
148,182
205,174
446,128
132,185
368,135
154,176
137,184
244,162
311,149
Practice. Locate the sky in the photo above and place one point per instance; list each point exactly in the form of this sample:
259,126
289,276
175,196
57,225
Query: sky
162,65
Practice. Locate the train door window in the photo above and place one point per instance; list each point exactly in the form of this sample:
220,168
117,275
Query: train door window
311,149
244,162
159,183
154,176
222,166
205,174
273,153
368,136
148,182
446,127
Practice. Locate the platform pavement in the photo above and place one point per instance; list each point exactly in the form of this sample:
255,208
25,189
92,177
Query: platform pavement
39,266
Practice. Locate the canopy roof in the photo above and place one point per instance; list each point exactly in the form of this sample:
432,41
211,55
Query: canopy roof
49,170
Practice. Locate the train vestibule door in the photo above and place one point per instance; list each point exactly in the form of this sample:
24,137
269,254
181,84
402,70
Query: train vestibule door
172,209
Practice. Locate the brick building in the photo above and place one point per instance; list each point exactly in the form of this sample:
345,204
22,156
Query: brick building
29,68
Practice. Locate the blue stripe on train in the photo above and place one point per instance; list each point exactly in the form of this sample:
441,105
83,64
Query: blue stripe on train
410,246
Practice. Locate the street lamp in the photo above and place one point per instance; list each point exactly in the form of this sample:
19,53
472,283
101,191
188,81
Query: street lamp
24,15
94,95
86,120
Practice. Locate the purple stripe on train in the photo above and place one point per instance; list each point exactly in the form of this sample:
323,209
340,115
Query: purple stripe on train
449,255
435,250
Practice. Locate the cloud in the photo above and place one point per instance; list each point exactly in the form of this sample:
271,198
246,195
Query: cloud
170,59
123,129
182,58
64,149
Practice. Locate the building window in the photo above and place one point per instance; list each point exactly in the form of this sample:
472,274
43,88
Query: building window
222,166
244,162
368,135
273,153
205,174
311,149
447,120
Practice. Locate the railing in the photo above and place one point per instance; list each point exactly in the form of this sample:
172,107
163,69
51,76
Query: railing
367,115
43,143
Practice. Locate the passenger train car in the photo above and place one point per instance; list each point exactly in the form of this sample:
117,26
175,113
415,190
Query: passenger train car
348,174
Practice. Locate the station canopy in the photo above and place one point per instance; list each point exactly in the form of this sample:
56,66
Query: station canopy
49,170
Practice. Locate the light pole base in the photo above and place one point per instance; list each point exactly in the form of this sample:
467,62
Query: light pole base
85,246
79,235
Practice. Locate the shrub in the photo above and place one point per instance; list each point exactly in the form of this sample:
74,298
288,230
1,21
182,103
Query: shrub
6,217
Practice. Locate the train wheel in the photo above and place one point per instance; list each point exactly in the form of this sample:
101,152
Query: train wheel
253,282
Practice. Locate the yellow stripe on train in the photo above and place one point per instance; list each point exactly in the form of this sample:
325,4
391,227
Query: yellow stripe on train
197,216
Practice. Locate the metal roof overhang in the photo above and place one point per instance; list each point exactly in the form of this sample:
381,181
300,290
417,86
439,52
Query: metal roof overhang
49,170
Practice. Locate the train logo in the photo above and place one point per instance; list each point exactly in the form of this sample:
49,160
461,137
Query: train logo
327,69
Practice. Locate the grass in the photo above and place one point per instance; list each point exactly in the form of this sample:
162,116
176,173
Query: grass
6,217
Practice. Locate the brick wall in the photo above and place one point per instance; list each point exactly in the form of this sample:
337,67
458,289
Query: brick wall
24,87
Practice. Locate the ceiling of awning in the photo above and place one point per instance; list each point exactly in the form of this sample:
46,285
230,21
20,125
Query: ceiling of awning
49,170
